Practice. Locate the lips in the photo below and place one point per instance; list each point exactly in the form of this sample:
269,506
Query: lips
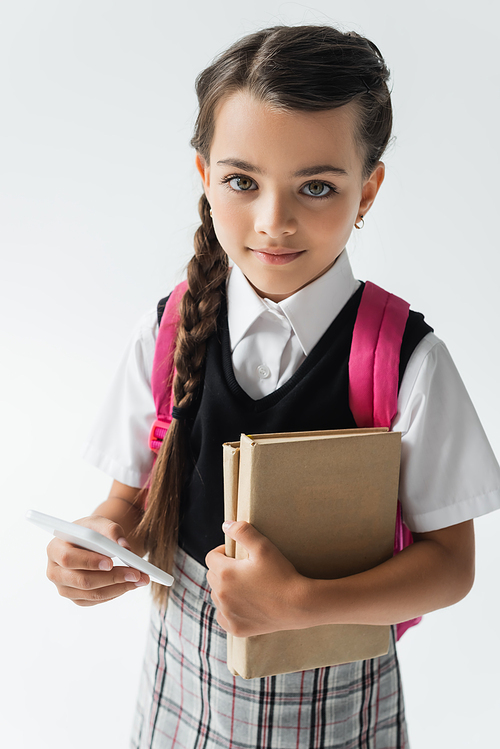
276,255
276,250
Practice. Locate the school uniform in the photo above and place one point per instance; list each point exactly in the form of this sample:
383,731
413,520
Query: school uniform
283,367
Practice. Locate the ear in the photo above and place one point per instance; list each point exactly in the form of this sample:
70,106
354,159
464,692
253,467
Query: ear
204,171
370,189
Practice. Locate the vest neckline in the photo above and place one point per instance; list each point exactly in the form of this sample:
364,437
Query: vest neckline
315,356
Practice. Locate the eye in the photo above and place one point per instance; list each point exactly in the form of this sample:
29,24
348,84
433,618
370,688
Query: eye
244,184
316,189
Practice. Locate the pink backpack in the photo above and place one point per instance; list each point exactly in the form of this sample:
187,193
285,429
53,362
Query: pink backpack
373,374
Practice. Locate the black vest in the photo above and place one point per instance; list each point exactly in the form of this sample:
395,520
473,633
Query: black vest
315,397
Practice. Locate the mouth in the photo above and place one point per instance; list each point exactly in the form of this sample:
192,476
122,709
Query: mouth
276,255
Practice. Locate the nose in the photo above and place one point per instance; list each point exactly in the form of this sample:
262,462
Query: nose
274,216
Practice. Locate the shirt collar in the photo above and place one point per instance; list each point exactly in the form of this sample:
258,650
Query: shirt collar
244,306
310,310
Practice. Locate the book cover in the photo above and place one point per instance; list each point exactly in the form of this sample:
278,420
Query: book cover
328,501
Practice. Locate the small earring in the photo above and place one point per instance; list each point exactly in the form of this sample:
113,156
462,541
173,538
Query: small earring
211,214
360,227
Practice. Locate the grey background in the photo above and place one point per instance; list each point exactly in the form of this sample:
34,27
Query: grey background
98,196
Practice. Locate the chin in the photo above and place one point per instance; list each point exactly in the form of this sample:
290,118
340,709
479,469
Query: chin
277,290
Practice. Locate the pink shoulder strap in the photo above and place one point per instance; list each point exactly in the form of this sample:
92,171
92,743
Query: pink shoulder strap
374,377
374,358
163,373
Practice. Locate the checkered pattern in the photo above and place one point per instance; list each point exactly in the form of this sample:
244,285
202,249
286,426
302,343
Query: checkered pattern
189,700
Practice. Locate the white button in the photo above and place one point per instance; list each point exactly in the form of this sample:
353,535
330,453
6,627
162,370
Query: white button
263,371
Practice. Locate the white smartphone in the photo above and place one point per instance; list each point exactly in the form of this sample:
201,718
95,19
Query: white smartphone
91,540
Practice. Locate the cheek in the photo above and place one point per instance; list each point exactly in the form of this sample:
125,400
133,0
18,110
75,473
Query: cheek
334,224
229,215
230,223
340,220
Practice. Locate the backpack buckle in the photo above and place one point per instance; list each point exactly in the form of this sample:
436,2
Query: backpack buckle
158,432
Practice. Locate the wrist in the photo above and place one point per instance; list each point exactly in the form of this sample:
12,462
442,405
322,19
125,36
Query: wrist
309,601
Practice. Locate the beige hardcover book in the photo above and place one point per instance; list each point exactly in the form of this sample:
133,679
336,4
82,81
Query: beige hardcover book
328,501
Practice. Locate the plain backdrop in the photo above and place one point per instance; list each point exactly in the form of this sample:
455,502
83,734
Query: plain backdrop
98,206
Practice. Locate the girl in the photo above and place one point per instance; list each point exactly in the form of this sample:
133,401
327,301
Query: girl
292,125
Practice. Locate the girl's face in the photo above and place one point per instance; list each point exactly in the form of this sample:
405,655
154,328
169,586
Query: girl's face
285,190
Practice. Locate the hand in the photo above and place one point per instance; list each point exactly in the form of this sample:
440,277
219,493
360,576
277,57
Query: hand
88,578
255,595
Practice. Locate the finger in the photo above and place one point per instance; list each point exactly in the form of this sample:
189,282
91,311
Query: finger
96,580
94,603
90,580
99,595
215,557
213,596
222,621
105,527
72,557
210,578
245,534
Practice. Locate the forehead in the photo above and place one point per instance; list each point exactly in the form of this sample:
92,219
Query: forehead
254,131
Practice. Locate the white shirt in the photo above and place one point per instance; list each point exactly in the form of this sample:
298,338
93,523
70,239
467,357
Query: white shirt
269,340
449,473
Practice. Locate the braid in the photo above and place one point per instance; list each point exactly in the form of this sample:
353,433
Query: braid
207,272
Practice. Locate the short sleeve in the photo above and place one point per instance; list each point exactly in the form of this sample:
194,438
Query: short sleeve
118,443
449,473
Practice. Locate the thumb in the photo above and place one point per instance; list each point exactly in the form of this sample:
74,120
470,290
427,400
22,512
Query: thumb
245,534
106,527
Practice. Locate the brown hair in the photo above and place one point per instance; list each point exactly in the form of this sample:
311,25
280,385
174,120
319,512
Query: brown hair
306,68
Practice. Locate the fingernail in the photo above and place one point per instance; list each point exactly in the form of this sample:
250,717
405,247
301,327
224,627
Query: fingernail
227,524
105,564
140,583
130,577
123,542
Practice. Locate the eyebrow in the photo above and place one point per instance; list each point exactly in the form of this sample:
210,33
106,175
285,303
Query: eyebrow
308,171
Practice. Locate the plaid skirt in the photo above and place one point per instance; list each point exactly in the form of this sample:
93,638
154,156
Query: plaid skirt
188,699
